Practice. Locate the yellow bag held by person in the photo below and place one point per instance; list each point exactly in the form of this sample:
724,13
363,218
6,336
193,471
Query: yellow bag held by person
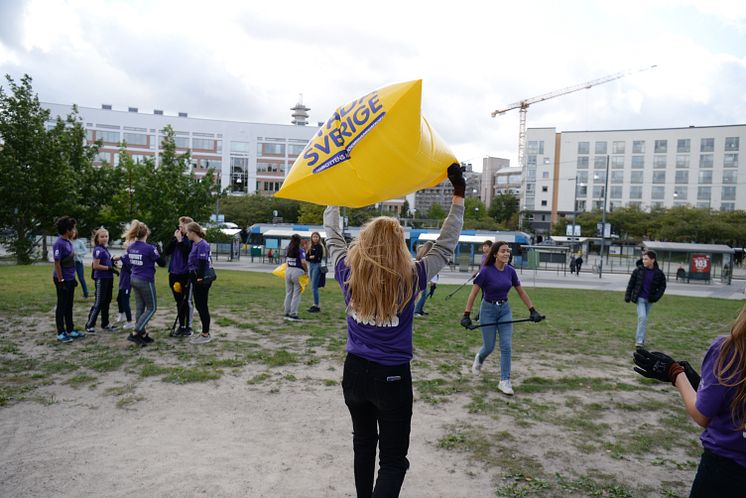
375,148
280,272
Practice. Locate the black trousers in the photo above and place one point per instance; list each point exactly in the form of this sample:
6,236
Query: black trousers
101,305
379,398
718,477
183,299
63,313
123,303
201,293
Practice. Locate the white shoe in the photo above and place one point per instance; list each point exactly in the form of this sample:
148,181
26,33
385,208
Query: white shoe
120,318
505,387
129,325
476,367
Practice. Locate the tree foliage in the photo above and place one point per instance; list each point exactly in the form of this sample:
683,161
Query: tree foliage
504,209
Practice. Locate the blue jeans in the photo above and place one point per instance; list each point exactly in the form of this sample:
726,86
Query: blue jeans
492,313
313,274
643,310
420,306
80,270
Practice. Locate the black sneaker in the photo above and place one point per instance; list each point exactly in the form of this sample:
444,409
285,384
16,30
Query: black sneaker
176,332
314,309
186,332
136,338
109,328
146,339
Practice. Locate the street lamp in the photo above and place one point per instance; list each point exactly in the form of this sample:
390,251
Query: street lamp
603,220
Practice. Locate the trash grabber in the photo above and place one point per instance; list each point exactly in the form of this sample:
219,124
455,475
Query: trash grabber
459,288
478,325
179,290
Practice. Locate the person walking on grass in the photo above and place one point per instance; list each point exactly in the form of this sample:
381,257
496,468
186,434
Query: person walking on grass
297,267
199,263
143,257
63,278
103,277
717,403
315,257
123,296
179,248
80,249
495,279
646,286
379,282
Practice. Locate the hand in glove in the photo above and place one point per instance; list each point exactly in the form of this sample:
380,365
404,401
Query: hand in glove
456,176
656,365
432,290
466,320
691,374
535,316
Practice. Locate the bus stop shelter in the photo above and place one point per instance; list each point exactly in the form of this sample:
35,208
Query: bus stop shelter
693,262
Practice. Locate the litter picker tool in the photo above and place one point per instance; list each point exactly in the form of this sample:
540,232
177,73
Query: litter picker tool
478,325
459,288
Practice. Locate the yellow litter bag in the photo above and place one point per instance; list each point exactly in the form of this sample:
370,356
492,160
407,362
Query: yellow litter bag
374,148
280,272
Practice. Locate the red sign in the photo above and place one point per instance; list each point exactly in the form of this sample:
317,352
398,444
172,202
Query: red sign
700,263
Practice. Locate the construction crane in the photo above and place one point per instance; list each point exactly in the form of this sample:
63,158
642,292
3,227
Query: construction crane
524,104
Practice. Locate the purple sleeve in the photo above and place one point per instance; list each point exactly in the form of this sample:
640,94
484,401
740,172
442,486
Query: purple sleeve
514,278
480,277
422,276
711,394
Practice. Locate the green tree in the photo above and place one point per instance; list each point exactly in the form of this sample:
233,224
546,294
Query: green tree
474,209
437,212
504,209
310,214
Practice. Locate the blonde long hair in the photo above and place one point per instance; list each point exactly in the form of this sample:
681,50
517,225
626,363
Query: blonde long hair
382,275
135,230
730,368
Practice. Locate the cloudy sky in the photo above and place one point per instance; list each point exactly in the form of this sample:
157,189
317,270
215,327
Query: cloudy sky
249,61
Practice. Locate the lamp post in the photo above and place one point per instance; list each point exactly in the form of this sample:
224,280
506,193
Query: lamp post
603,220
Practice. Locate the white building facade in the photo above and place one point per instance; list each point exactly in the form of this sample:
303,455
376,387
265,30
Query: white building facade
648,168
247,157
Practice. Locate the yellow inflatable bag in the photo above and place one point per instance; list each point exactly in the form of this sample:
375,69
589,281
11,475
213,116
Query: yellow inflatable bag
375,148
280,272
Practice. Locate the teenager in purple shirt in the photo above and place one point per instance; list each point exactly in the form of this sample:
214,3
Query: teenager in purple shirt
646,286
717,403
379,282
103,277
199,262
495,279
63,277
178,249
143,257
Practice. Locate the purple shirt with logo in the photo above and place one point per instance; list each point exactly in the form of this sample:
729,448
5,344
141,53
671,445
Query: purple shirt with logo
200,252
104,258
387,344
142,257
721,436
125,273
296,262
63,252
495,283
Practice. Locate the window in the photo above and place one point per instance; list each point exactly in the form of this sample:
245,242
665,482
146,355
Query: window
728,194
638,162
545,189
683,145
728,206
657,192
583,190
617,162
582,177
584,147
599,162
707,145
705,177
203,144
89,135
135,139
617,177
535,147
636,177
103,157
731,143
682,161
212,163
661,146
269,167
729,177
240,147
181,142
659,161
617,148
111,137
638,147
706,160
704,193
543,203
545,174
598,191
682,177
599,176
680,194
295,150
635,192
730,161
615,192
531,160
581,205
659,177
582,162
600,148
271,149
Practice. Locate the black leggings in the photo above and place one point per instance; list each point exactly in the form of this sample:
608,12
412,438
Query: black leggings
183,299
103,300
719,477
201,293
63,314
123,303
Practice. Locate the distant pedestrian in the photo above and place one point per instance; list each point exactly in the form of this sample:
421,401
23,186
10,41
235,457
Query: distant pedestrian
297,267
578,264
80,249
63,277
103,277
315,258
573,265
646,286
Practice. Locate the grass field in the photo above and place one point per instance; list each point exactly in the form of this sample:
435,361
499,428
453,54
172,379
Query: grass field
581,423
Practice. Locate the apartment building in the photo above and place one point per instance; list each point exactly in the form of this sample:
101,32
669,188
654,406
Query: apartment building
498,177
442,192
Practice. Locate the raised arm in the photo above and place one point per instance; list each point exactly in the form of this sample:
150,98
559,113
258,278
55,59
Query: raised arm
335,241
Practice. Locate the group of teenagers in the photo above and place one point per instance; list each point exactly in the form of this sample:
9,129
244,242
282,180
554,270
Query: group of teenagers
380,283
190,278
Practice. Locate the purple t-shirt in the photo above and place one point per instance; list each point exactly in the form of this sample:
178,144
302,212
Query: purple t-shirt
647,282
104,258
200,252
495,283
713,401
389,344
296,262
142,257
125,273
63,252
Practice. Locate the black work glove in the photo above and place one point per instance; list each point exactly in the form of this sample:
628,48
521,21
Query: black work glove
456,177
466,320
432,290
535,316
626,300
654,365
691,374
